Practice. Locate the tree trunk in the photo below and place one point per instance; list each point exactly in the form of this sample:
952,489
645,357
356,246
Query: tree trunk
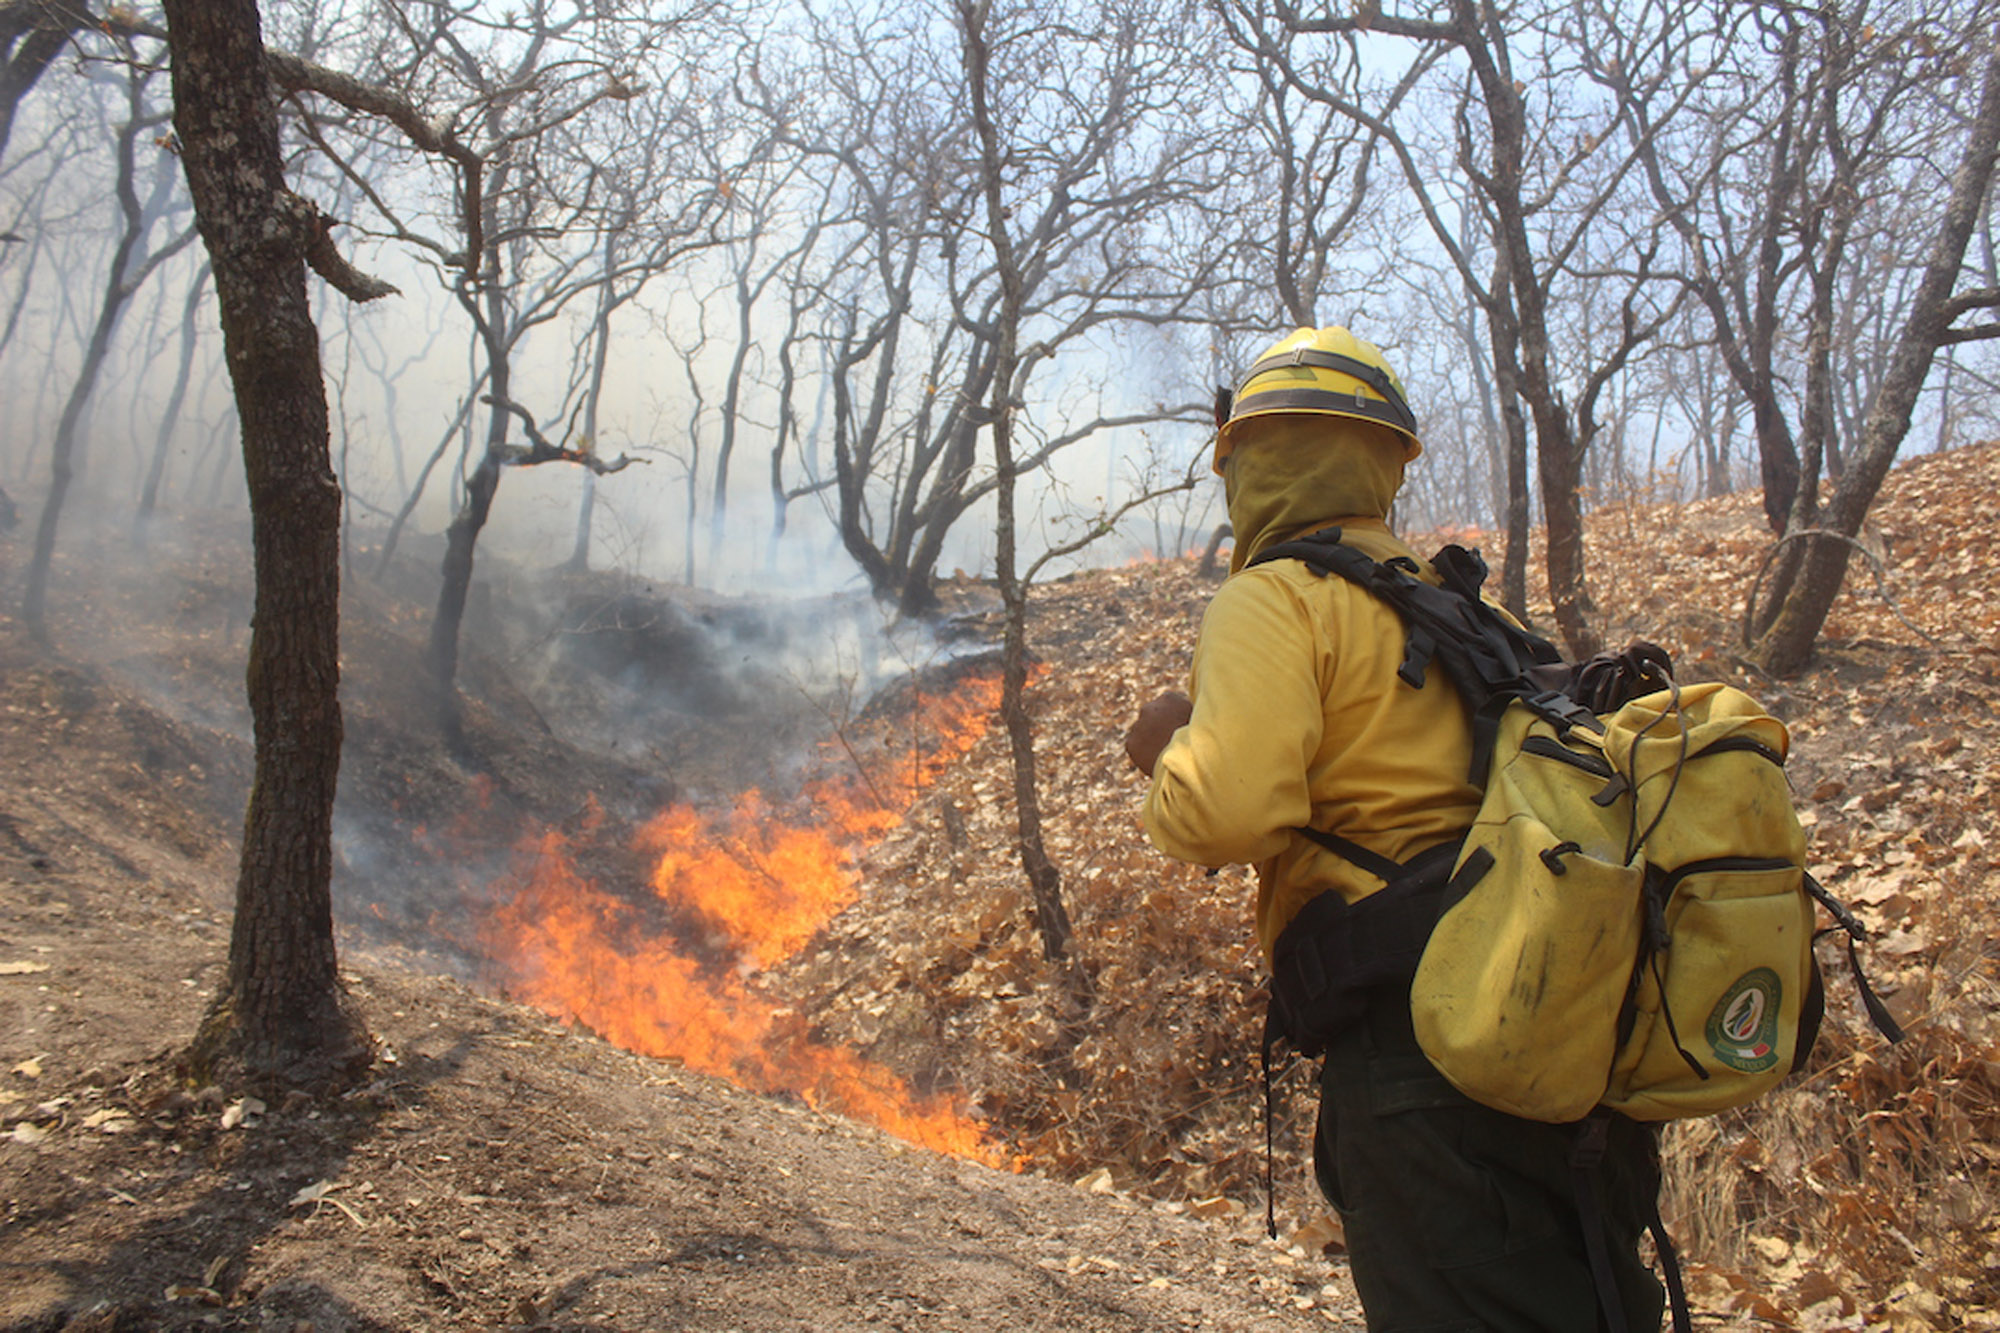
1044,877
149,498
1504,336
732,407
282,1013
26,63
600,352
461,539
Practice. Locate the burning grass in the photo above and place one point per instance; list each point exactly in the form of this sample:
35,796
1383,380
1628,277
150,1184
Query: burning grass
758,880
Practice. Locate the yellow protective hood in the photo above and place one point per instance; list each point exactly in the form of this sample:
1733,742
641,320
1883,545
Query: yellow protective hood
1294,473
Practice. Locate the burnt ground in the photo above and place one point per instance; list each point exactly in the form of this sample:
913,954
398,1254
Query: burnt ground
497,1169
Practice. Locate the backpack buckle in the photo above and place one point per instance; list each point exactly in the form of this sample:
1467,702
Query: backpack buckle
1563,712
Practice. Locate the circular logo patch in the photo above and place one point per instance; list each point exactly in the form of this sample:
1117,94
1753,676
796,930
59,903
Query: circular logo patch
1743,1026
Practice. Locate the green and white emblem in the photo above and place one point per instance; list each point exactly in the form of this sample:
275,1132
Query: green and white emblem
1743,1026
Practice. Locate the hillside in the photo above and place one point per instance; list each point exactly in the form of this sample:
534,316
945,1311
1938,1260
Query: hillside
507,1167
499,1169
1860,1195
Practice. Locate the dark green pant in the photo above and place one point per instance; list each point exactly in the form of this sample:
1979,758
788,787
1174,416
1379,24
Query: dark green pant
1463,1219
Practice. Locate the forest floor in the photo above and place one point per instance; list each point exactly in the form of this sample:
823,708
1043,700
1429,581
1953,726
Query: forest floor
609,1095
498,1168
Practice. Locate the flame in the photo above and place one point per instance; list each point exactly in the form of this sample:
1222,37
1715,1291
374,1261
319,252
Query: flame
1148,556
764,884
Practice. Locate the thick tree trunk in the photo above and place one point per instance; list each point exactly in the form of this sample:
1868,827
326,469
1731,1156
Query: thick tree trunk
282,1013
1777,456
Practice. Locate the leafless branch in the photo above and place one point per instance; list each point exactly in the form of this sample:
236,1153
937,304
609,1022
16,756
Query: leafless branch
326,260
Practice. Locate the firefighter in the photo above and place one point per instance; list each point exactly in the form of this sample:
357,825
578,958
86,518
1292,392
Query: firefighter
1457,1216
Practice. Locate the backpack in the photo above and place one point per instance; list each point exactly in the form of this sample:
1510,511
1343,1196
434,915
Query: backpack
1628,925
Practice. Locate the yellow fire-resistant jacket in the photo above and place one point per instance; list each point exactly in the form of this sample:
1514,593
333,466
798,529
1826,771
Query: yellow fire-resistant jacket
1299,716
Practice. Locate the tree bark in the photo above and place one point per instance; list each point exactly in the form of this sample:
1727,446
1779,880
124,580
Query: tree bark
282,1014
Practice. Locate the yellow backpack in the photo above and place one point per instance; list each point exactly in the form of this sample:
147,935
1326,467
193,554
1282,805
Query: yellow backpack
1628,925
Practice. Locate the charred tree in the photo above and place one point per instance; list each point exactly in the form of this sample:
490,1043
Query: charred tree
282,1013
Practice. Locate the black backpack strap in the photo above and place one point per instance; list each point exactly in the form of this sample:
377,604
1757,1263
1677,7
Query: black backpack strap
1487,656
1878,1012
1586,1156
1374,863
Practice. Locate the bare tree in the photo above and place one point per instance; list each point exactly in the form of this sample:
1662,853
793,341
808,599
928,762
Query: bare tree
1931,322
1795,188
1546,166
1312,201
537,97
133,260
912,293
1082,160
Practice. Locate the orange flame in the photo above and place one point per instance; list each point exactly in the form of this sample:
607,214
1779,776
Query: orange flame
767,886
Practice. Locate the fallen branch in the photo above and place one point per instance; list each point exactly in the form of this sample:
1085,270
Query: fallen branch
1874,562
540,449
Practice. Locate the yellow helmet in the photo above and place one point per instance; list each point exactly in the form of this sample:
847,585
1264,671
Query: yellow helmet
1327,371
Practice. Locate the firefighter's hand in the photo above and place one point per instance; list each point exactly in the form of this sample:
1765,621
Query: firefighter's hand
1154,727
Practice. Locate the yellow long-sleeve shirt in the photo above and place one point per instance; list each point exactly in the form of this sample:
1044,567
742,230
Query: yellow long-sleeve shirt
1299,718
